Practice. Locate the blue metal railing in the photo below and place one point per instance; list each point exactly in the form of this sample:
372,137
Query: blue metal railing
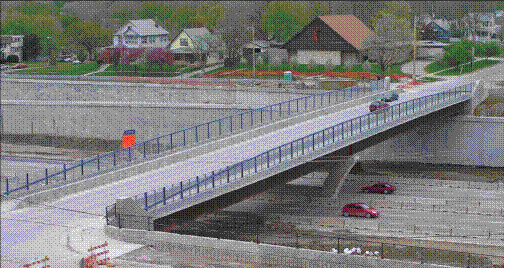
194,135
299,147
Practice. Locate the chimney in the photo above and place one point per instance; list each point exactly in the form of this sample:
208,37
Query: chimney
156,22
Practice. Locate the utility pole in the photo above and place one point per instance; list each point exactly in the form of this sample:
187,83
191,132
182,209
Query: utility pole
254,58
415,45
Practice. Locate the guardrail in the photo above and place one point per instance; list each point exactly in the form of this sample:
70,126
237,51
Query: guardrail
195,135
299,147
257,230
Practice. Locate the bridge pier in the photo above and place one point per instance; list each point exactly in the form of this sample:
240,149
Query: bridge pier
336,178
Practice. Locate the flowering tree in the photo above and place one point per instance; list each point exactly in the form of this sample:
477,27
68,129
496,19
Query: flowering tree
130,55
160,56
121,55
111,56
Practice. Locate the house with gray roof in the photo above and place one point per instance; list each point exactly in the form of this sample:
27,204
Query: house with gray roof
196,44
141,33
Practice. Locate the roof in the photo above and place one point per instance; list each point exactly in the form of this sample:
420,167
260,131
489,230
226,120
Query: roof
348,27
444,24
194,33
144,28
485,16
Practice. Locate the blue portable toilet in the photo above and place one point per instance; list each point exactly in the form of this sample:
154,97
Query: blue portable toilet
288,75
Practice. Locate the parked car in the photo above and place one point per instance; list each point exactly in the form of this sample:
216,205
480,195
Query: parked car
19,66
381,187
390,97
360,210
5,67
375,105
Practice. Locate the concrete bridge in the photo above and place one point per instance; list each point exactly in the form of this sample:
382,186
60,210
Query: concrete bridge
211,182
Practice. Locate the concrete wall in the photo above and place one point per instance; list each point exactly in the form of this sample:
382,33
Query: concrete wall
98,121
262,253
320,57
99,91
464,140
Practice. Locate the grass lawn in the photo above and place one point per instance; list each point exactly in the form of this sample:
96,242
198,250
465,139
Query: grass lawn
62,69
468,68
141,71
395,69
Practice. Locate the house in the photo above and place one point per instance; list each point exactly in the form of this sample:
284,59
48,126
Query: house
330,37
265,49
435,30
12,45
141,33
197,44
486,25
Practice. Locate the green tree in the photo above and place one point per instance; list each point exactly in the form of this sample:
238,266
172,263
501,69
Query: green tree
283,19
391,40
89,34
31,47
457,54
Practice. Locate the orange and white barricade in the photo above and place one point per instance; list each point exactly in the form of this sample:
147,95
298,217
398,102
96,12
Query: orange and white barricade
38,263
98,258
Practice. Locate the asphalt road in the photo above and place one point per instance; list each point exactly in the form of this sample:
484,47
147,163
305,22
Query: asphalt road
350,192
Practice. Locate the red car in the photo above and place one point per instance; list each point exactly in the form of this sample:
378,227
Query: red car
19,66
375,105
360,210
381,187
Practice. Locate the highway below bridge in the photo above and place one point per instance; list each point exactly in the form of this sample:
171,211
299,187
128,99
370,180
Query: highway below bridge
50,229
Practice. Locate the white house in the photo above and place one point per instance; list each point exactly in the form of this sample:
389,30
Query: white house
12,45
189,43
141,33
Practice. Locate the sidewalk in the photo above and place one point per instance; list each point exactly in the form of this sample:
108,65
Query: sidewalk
408,68
101,69
207,69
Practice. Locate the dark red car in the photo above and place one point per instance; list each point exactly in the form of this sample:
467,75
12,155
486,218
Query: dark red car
375,105
381,187
19,66
360,210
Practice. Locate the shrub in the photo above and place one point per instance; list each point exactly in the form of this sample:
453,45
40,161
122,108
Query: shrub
293,63
367,66
12,59
81,56
99,61
488,50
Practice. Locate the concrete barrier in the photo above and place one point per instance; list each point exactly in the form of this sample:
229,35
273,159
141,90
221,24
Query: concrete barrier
436,230
269,254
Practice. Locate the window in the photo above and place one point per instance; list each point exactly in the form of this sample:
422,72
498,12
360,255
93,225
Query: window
144,39
365,207
184,42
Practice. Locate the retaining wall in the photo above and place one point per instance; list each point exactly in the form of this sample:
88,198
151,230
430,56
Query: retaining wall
463,140
285,256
